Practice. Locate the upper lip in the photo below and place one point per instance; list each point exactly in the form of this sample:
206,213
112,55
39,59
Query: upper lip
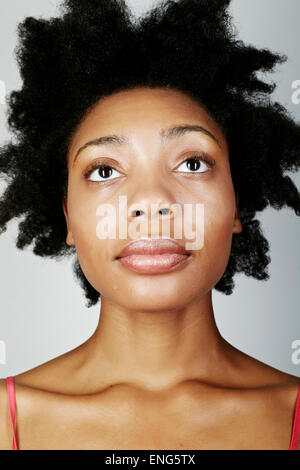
152,247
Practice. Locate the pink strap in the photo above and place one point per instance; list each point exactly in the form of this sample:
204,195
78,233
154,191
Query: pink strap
296,425
12,406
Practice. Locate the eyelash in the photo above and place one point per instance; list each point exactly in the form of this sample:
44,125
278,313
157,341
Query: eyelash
106,163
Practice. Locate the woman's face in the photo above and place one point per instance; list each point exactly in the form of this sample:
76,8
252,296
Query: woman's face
150,171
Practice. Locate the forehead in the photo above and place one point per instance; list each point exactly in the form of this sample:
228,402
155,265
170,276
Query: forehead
142,110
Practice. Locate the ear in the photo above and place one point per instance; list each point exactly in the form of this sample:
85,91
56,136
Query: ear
237,225
69,239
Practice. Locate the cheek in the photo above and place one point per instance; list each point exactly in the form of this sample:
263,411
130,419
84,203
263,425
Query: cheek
92,216
92,250
216,200
218,226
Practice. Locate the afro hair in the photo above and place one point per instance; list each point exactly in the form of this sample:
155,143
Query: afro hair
97,47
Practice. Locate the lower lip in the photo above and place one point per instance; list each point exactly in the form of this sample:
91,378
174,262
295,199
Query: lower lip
153,264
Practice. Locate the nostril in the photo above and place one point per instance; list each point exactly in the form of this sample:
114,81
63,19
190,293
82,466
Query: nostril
137,213
164,211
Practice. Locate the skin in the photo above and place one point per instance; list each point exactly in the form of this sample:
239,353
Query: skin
156,373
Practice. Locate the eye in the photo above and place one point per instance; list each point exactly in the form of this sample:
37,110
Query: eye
195,163
99,172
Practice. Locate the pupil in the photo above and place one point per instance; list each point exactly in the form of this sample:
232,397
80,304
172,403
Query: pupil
105,171
194,162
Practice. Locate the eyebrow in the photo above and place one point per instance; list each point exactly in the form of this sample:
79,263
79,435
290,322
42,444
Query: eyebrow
167,134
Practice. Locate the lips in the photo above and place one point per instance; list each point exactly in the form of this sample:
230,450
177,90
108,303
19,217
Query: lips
153,256
153,247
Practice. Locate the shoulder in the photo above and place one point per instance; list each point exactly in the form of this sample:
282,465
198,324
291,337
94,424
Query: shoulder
274,390
263,382
41,384
250,372
58,375
288,395
253,374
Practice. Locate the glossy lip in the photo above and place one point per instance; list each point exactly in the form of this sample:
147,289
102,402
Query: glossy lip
152,246
153,256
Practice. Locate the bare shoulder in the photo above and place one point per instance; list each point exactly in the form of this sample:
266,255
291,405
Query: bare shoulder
270,388
282,398
57,375
27,387
41,384
252,372
285,397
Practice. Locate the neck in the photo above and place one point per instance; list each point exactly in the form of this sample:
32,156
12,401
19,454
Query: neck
157,350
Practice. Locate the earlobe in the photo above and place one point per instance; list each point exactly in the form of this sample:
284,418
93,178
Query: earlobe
69,238
237,225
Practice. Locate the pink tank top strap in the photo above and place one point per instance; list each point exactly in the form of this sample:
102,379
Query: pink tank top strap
10,384
296,424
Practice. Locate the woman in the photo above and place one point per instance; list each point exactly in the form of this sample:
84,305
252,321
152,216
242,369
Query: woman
164,118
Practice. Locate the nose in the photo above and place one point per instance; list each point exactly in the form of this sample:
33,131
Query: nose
153,198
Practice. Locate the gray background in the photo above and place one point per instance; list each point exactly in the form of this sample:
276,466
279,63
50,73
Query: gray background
43,313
